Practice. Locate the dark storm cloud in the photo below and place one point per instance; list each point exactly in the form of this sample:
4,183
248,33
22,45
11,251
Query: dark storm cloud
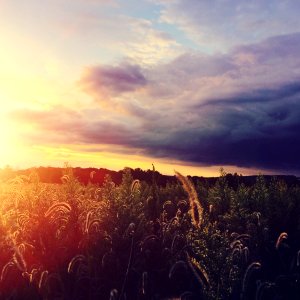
257,96
248,133
258,130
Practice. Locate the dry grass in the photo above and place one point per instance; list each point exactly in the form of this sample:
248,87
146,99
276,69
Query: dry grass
196,209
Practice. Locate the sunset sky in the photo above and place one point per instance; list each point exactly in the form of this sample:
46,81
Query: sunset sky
189,85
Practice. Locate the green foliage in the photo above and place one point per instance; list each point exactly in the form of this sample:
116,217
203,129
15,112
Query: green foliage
138,240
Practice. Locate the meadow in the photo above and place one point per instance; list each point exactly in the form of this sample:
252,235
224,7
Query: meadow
142,240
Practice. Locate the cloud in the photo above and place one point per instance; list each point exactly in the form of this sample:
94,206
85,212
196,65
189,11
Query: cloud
107,33
112,80
64,125
249,133
240,108
197,77
218,25
146,45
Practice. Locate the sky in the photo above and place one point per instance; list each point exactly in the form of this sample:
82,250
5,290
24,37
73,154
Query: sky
187,85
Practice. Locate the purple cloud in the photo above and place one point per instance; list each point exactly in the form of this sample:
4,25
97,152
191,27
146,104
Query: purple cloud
240,108
113,80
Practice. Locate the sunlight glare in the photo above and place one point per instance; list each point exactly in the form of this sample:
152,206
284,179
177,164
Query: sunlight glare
8,143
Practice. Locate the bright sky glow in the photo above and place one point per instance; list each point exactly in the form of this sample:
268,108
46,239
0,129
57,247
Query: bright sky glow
187,85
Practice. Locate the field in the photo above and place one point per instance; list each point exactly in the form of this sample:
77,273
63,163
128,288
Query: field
141,240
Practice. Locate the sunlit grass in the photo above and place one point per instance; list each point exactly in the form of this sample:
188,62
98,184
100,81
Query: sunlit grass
137,239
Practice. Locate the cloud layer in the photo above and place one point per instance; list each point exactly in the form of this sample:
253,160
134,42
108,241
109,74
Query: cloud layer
240,108
219,25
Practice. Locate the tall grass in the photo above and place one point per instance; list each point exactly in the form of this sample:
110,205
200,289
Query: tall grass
139,240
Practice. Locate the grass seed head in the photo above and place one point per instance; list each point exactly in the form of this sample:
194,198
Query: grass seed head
196,209
283,236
